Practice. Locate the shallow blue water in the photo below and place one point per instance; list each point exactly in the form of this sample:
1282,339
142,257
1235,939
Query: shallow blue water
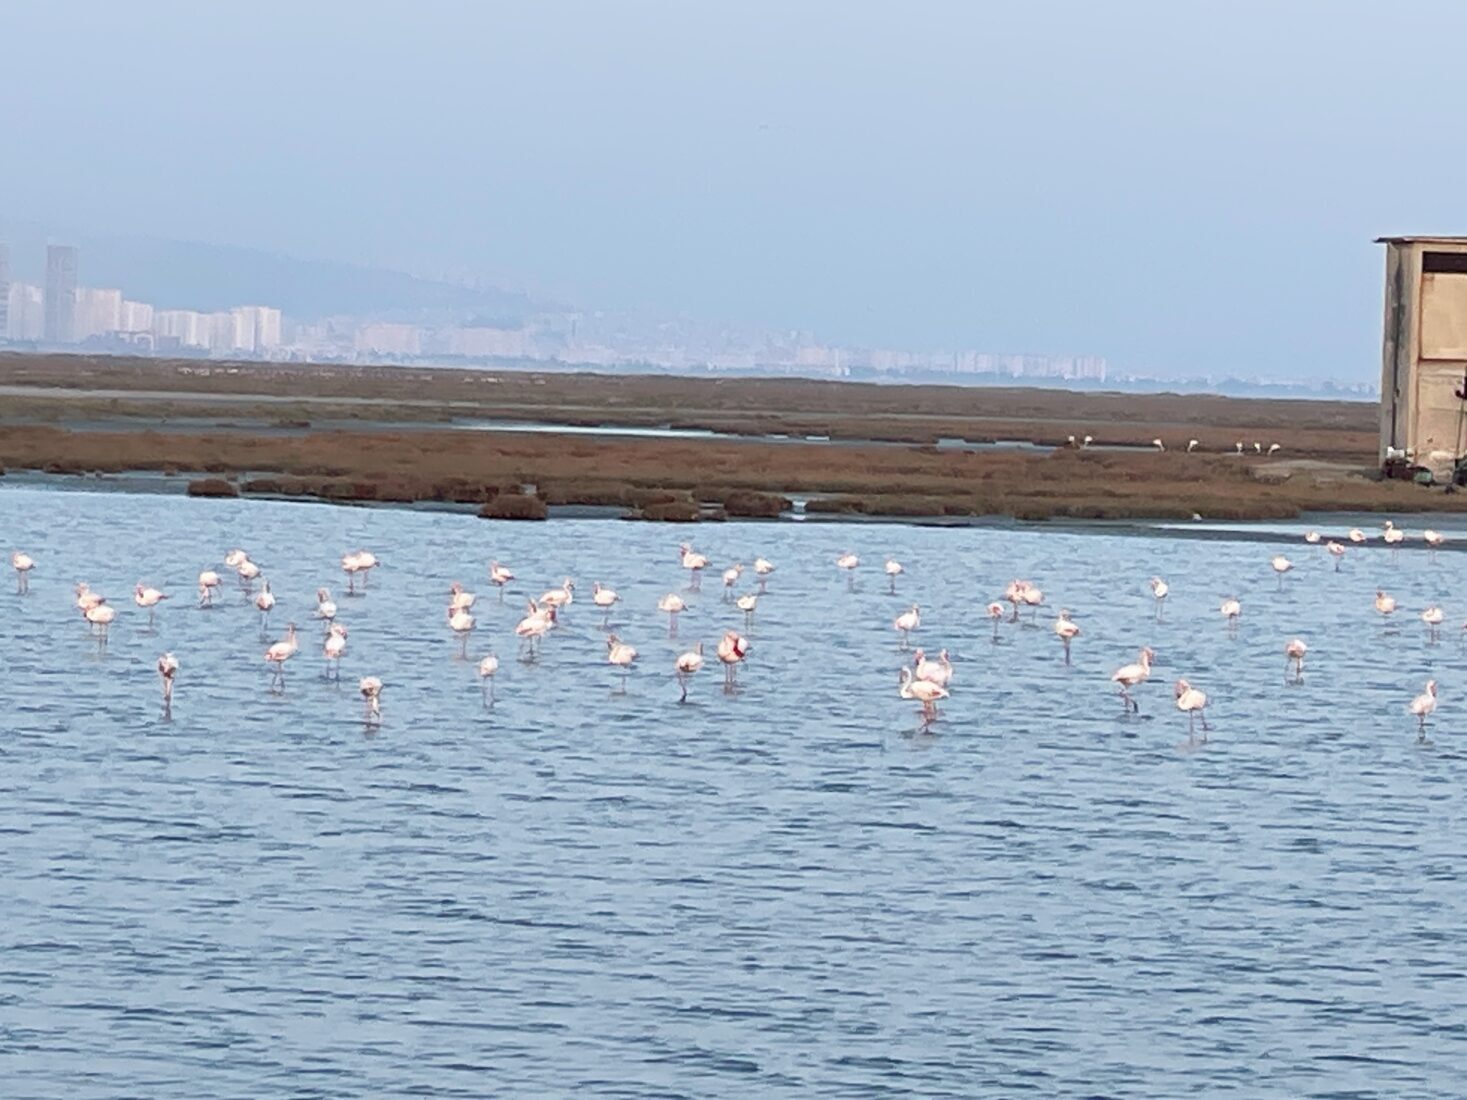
787,891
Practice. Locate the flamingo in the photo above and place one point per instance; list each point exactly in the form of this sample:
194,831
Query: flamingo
1281,565
604,598
1273,449
694,563
22,563
939,672
559,598
994,611
686,666
1258,448
1432,617
167,670
1294,652
1193,704
499,576
325,607
488,667
746,603
458,598
86,599
371,691
924,691
208,583
907,622
148,598
1089,439
1434,541
532,628
334,648
893,569
1032,598
234,557
1386,605
361,563
101,617
1130,676
264,601
732,648
1311,537
1239,446
462,625
1191,445
731,577
1393,537
1159,590
674,606
1337,552
1423,706
762,568
278,654
1066,630
1233,610
848,562
247,571
620,656
1159,445
1355,535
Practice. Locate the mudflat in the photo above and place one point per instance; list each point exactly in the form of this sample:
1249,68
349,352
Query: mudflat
399,433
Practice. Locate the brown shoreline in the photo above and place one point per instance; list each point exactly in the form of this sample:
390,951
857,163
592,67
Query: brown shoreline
1325,466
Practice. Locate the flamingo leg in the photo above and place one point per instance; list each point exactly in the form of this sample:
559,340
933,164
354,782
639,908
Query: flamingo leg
1067,651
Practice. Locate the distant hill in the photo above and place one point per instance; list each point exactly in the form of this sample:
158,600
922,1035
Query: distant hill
190,275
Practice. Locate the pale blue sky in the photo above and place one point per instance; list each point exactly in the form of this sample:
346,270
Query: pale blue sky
1182,187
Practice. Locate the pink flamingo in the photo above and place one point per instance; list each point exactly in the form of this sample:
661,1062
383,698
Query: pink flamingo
208,584
732,648
994,612
908,621
1067,631
672,604
488,667
1193,704
694,563
1233,611
1129,676
334,648
278,654
1423,706
688,664
924,691
167,670
499,576
22,563
371,691
1294,653
620,656
148,599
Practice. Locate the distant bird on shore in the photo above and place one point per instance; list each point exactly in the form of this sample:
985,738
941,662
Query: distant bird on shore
1158,444
1191,445
1273,449
1294,653
22,563
1239,446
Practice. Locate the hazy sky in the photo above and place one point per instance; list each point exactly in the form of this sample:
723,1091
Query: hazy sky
1182,187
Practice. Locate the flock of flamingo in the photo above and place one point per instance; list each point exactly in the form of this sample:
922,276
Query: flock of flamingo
925,681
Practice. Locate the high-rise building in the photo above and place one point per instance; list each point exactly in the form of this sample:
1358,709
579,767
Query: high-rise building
4,291
137,317
98,313
27,313
60,294
181,328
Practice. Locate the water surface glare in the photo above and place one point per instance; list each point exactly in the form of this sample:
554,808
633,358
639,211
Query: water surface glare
787,891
